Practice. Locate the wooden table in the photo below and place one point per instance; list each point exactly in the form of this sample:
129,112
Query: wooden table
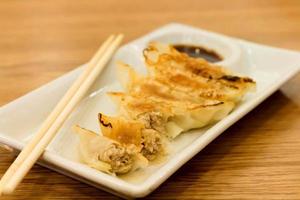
257,158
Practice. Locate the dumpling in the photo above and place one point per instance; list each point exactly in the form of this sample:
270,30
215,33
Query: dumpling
163,107
175,87
151,113
194,75
170,117
107,155
149,142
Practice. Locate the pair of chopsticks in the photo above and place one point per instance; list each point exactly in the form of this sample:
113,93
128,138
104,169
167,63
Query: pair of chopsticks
34,149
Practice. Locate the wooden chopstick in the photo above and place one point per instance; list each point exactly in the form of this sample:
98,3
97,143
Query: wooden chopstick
38,144
54,114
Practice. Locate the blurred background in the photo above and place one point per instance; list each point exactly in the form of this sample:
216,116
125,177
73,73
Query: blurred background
53,36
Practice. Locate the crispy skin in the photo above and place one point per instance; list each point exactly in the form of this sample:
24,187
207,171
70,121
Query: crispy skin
121,130
158,113
178,89
194,75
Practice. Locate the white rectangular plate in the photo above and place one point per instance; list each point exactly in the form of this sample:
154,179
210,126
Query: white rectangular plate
19,120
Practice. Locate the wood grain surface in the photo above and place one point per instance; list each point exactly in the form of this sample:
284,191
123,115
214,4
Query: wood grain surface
257,158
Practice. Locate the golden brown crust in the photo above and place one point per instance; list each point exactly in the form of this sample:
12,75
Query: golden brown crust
181,71
121,130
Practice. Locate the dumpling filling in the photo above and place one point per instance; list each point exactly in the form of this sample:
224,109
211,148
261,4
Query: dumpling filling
152,144
148,141
118,157
153,120
108,155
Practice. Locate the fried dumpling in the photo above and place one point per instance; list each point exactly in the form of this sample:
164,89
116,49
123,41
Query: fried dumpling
173,87
194,75
107,155
170,117
163,107
145,110
126,131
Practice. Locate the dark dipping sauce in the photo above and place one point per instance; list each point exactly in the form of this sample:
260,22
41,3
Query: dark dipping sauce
199,52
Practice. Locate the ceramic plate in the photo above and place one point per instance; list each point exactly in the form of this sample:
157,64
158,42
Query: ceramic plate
20,119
